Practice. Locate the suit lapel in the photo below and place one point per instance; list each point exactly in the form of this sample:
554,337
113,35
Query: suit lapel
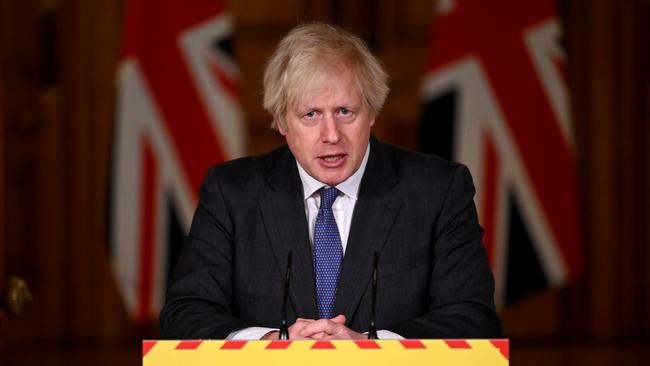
374,213
283,212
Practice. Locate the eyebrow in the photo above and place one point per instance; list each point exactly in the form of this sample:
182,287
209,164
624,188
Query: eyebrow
310,107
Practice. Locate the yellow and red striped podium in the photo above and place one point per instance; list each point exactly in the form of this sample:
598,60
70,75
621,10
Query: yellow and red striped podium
475,352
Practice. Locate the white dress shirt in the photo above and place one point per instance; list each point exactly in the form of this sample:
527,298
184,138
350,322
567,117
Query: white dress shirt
342,208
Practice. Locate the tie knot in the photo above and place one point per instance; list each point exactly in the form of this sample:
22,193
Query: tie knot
327,197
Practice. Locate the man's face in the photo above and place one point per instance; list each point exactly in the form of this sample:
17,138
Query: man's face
328,130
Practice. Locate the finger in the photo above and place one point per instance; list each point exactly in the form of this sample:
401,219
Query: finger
319,336
297,335
295,328
312,328
303,320
301,323
319,326
334,328
339,319
294,337
323,326
345,333
295,331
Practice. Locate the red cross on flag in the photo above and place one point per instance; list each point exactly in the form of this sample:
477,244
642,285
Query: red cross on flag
497,100
177,114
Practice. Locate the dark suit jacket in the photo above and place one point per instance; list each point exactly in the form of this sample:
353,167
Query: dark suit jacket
417,211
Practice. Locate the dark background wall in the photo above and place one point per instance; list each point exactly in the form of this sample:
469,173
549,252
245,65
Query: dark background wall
57,66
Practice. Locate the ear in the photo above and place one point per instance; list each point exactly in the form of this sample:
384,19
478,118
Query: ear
372,122
281,128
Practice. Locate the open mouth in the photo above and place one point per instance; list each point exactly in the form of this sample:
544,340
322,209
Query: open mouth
332,160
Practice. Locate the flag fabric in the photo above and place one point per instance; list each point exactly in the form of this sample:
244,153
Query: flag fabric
496,100
177,114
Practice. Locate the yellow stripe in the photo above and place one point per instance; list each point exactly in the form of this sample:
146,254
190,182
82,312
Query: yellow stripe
436,352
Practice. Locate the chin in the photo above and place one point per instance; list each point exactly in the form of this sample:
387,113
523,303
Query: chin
332,180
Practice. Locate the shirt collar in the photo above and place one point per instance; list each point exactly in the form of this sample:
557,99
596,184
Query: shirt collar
349,187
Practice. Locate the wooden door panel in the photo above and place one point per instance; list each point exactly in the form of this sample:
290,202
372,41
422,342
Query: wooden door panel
32,191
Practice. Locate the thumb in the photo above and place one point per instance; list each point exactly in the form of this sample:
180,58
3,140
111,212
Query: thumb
339,319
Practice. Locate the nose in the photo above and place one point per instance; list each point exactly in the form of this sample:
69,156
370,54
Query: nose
330,130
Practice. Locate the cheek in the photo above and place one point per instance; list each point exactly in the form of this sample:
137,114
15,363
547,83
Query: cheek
358,135
299,145
303,137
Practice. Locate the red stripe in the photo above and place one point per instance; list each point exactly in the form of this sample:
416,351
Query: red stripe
367,344
548,160
233,344
460,33
490,193
148,209
412,344
147,346
457,343
153,38
172,14
135,12
323,345
494,34
189,345
560,66
224,80
278,344
503,345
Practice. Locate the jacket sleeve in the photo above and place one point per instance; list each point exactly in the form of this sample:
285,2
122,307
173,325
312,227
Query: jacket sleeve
199,297
462,286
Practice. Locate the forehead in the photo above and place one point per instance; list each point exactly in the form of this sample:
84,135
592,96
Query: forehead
328,89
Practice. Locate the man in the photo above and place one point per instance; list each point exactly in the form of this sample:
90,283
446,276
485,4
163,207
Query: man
333,198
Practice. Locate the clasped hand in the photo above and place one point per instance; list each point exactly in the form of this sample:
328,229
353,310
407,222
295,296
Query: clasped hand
319,329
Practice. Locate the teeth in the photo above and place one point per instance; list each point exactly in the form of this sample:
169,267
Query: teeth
331,158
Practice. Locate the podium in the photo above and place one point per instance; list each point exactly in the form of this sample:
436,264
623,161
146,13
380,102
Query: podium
450,352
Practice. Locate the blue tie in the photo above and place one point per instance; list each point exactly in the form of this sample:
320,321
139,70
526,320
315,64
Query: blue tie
328,254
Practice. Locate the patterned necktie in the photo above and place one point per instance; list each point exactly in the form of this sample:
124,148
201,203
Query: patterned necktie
328,254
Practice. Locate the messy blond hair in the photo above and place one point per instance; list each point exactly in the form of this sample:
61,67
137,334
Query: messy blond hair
312,51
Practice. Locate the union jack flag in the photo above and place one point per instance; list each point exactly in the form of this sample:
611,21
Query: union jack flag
177,114
496,100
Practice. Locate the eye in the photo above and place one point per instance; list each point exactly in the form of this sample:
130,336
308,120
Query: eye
345,114
310,114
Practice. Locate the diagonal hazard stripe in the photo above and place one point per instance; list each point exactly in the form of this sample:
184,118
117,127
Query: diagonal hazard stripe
189,344
147,346
457,343
278,345
503,345
412,344
369,344
233,345
453,352
323,345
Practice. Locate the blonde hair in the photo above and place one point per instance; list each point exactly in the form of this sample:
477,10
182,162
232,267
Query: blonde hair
311,51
